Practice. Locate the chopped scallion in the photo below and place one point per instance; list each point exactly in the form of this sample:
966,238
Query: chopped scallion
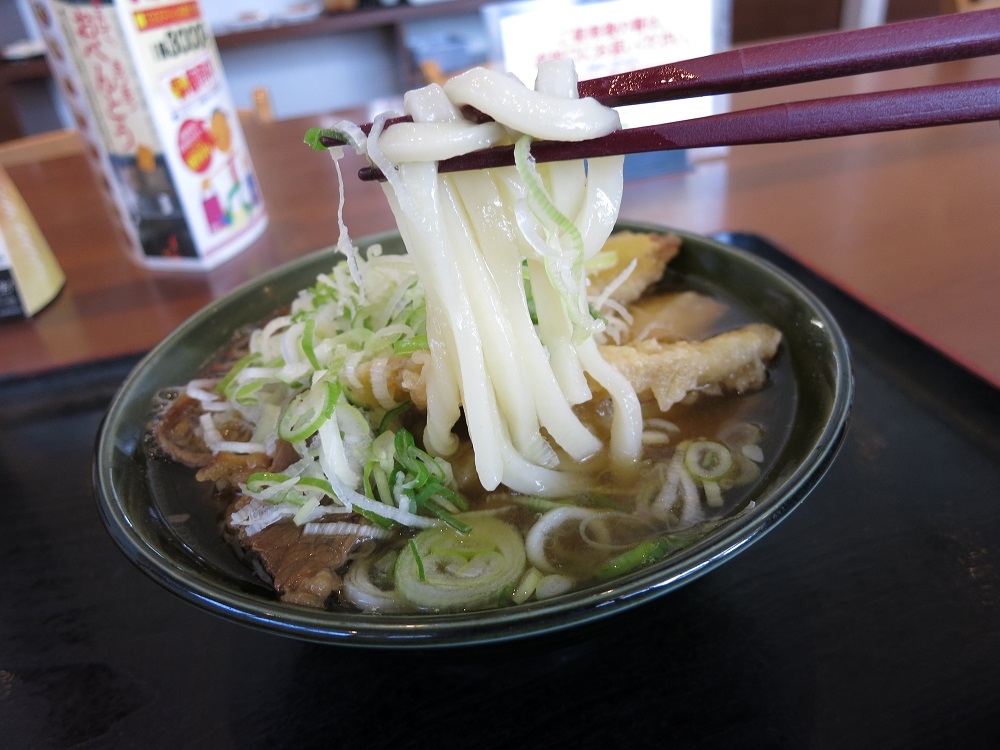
642,554
421,576
410,345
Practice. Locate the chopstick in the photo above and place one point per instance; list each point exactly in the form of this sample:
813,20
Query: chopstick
898,45
901,109
905,44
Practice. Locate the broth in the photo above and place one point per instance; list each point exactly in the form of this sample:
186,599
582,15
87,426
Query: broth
196,513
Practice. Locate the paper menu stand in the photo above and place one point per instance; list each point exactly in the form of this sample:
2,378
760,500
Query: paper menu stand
30,277
145,84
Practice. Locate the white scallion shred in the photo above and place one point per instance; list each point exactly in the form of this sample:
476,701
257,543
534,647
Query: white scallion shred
236,446
344,528
602,299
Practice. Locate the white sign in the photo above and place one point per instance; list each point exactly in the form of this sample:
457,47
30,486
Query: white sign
605,38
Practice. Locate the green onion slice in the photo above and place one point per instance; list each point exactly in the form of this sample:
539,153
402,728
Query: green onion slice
308,342
308,410
410,345
642,554
458,571
242,363
708,460
385,424
313,135
418,561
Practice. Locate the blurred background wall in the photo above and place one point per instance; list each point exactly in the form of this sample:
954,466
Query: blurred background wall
309,72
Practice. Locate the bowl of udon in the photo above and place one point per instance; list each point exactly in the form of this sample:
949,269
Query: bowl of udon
513,415
786,433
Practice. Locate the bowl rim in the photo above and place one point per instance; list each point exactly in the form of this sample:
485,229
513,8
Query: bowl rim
485,626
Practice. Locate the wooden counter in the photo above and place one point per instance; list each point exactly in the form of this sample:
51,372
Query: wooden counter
906,222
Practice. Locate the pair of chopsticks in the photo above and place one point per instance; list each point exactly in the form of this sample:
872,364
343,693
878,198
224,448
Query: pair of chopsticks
898,45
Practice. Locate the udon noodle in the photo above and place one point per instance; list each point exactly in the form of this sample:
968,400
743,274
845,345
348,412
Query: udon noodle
452,428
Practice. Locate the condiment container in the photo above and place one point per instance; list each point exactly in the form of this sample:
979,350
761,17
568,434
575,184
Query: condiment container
30,277
145,85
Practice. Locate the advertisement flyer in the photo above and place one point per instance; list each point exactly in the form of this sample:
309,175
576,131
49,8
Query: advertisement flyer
145,82
182,77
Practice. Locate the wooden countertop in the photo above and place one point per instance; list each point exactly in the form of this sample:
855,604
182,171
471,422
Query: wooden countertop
906,222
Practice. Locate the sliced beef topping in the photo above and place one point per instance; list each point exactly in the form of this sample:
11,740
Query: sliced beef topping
303,567
178,434
231,469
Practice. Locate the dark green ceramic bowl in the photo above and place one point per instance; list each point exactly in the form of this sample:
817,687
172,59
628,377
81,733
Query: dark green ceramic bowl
155,521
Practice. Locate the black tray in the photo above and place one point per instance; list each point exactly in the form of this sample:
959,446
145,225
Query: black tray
869,618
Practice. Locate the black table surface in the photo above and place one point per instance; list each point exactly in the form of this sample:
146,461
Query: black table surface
870,617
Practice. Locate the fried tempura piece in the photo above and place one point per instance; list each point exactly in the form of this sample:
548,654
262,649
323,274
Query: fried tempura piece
678,316
735,360
651,252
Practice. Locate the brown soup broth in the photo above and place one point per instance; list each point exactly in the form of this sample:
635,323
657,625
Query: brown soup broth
194,511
